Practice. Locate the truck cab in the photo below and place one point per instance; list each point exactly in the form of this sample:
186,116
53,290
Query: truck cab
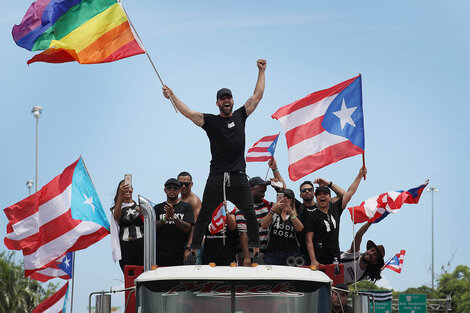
224,289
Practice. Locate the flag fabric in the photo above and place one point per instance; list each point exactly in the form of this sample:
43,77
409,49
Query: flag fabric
65,215
396,262
55,303
263,149
219,217
60,268
378,295
324,127
377,208
86,31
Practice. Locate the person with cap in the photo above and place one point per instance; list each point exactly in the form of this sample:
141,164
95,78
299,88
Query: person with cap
283,226
368,265
322,226
339,299
175,219
261,207
227,179
308,205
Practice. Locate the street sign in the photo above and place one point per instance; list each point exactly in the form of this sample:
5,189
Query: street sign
411,303
381,307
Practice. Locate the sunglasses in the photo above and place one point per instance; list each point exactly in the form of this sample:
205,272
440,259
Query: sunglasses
187,184
306,189
172,187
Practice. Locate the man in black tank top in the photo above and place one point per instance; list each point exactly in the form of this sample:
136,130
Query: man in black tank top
226,133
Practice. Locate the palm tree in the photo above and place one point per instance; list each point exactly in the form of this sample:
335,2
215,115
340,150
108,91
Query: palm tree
19,294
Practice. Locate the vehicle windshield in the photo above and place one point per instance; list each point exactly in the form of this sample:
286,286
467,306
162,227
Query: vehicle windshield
250,296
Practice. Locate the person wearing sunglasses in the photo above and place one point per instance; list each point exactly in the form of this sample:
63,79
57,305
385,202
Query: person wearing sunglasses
227,178
190,197
175,219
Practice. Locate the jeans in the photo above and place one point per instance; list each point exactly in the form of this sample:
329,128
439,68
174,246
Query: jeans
238,192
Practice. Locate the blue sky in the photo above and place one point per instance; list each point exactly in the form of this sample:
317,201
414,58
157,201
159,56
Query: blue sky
413,56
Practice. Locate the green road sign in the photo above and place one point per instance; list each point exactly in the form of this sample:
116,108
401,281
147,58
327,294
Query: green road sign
411,303
381,307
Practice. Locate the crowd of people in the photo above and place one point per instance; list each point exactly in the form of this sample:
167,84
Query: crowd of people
286,231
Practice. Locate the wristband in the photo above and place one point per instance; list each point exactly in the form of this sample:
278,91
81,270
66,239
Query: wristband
292,217
271,211
274,171
329,185
163,219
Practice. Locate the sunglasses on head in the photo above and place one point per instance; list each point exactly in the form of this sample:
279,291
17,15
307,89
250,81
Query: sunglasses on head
187,184
172,187
306,189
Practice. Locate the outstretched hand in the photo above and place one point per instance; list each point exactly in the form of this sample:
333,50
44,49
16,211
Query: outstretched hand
321,182
363,172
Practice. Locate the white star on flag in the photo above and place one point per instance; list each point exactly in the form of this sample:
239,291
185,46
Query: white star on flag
89,201
67,262
344,115
130,212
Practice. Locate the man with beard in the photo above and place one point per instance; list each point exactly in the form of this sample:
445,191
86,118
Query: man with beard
190,197
308,205
339,299
368,265
226,133
175,219
322,227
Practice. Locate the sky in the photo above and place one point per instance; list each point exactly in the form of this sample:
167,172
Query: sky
413,57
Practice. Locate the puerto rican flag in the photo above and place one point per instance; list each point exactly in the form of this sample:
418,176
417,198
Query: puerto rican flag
263,149
55,303
60,268
396,262
219,217
65,215
324,127
377,208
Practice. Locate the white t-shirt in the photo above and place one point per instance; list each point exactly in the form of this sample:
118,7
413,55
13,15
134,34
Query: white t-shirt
349,267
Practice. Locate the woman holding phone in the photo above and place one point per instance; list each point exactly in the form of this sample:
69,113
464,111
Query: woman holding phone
283,226
131,225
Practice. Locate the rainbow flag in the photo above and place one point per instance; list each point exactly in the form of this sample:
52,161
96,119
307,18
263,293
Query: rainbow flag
86,31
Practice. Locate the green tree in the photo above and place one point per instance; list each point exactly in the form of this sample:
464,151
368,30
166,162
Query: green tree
457,284
19,294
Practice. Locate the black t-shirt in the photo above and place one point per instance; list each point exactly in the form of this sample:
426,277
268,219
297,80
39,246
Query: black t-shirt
170,240
227,140
325,228
215,250
282,235
303,213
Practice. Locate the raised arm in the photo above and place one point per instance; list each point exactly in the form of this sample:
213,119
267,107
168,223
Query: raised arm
277,175
358,238
352,189
253,101
196,117
336,189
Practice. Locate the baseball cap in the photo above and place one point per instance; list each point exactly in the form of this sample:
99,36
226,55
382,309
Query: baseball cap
172,181
223,91
342,287
324,189
258,181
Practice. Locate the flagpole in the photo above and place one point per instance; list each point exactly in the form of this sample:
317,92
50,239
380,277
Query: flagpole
267,172
146,53
73,281
364,163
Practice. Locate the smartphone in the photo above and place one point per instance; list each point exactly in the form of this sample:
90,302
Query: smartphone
279,196
128,179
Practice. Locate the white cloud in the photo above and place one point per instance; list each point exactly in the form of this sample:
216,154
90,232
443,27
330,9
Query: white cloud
384,283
